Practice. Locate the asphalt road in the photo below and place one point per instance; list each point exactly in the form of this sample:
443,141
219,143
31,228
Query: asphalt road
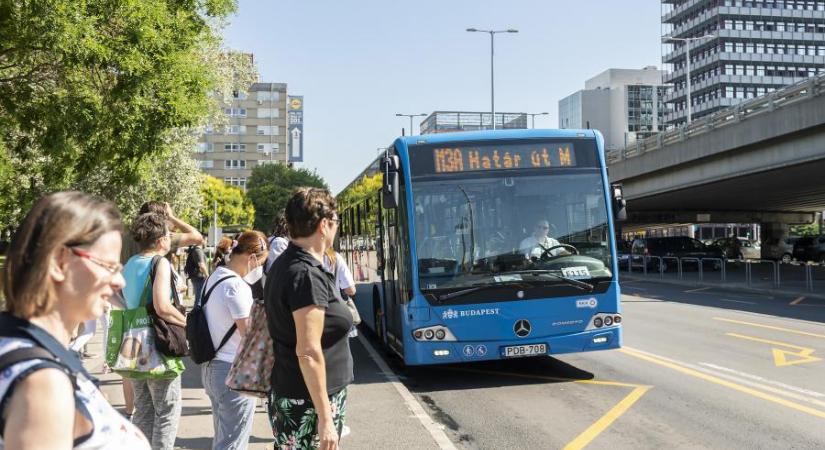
700,368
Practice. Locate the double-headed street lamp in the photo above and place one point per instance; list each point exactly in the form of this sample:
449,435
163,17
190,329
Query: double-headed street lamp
411,119
687,42
492,34
533,116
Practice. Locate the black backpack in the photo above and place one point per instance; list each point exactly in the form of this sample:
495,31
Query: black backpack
191,268
201,348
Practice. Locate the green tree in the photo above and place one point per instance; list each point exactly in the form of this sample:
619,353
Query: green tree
98,94
234,207
356,193
270,186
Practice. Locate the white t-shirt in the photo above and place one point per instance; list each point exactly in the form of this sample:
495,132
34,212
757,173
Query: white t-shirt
343,276
531,249
231,300
276,247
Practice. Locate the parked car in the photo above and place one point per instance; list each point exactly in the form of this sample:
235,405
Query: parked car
673,247
748,249
623,253
779,249
810,248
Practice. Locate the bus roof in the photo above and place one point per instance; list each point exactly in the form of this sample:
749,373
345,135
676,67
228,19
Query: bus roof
438,138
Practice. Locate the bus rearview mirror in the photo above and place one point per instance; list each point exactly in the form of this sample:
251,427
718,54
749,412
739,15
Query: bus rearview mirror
389,190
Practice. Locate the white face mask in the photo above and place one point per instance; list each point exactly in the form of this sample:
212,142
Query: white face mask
254,275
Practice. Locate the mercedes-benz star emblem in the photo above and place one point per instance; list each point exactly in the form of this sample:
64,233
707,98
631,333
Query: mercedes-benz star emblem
522,328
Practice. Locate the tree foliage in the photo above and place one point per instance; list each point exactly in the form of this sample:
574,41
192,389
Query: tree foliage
104,95
271,185
233,205
356,193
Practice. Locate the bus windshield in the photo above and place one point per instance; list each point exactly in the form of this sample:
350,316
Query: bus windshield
479,231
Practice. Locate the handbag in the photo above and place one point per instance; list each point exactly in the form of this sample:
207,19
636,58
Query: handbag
170,338
356,318
252,367
130,349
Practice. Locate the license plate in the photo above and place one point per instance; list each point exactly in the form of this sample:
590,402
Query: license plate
518,351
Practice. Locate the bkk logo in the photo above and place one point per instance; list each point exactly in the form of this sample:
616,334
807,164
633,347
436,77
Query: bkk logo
587,303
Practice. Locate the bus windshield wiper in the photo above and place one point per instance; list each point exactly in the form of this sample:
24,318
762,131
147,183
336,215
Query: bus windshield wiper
583,285
470,290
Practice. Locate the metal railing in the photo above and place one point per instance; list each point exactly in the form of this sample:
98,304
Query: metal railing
753,272
794,93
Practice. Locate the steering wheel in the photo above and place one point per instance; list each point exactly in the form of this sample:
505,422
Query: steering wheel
545,253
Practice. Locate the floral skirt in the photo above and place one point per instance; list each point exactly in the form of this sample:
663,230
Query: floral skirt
294,421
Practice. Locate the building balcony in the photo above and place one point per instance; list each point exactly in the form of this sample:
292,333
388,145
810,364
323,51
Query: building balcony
702,65
701,109
682,9
750,80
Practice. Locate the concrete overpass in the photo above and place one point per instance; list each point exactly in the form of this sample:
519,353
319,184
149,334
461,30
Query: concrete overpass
762,161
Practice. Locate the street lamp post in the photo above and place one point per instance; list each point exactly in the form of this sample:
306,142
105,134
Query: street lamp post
533,116
687,42
492,34
411,119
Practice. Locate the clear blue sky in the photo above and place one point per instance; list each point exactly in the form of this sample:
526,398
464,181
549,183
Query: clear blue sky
358,62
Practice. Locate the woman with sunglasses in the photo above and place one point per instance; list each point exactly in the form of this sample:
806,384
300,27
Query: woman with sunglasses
61,269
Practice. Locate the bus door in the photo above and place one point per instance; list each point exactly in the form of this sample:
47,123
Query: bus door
388,244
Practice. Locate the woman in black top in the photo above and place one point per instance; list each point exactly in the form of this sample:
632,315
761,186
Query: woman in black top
309,325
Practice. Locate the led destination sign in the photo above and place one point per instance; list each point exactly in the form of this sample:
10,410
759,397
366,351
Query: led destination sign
472,159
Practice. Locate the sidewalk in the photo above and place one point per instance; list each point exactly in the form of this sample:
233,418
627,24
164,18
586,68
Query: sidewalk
376,412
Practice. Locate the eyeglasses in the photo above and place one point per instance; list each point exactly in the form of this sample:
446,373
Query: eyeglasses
112,268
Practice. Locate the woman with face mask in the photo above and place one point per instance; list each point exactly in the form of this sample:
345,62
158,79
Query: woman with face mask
228,304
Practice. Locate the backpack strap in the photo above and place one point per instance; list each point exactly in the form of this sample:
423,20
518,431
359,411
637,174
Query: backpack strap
205,298
46,347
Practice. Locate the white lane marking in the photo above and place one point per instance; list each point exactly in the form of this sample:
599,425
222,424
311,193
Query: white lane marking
736,301
788,391
634,287
429,424
701,289
765,380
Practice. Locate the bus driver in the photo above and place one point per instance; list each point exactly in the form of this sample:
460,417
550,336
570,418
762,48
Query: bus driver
534,245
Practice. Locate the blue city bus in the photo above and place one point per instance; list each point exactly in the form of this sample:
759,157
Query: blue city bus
452,257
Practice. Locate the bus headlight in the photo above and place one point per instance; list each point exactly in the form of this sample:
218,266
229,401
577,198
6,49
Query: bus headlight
437,333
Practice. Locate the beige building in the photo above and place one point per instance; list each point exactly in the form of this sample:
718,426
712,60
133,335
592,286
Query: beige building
255,134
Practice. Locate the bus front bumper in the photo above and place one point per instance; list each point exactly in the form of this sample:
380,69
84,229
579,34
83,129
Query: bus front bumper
426,353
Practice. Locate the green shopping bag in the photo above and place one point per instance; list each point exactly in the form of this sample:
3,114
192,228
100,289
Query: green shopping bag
131,350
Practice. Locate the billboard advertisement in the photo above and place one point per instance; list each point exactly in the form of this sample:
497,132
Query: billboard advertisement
295,122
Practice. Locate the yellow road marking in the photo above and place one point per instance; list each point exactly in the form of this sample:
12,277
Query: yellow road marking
797,300
729,384
780,356
587,436
594,430
770,327
698,290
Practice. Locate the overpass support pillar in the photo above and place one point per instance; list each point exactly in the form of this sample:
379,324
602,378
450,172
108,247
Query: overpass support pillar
773,235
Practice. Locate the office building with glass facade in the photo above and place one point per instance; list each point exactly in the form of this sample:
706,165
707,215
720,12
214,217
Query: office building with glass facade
739,49
623,104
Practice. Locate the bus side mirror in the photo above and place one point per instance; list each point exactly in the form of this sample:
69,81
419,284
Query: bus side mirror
619,203
389,188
